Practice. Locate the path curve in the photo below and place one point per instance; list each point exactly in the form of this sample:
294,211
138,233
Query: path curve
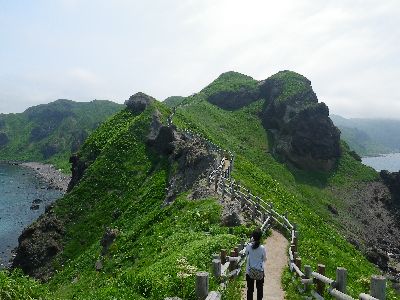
276,246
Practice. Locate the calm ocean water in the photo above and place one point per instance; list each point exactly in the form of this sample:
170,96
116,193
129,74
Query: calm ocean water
390,162
18,188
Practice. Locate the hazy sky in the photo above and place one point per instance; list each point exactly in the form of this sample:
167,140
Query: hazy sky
84,50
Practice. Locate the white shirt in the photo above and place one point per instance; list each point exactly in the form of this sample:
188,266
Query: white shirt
255,257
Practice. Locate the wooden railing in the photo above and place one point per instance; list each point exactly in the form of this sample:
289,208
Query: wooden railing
263,212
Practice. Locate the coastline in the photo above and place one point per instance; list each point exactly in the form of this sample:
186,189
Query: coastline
53,177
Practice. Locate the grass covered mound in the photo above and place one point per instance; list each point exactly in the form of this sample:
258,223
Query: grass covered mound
157,249
51,132
304,195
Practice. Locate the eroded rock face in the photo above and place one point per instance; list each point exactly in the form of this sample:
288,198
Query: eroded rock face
161,137
38,244
78,168
304,135
138,102
392,181
193,163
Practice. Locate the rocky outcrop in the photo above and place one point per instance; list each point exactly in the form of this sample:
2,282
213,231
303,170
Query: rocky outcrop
193,163
138,102
161,137
367,222
38,244
108,238
304,135
3,139
392,181
78,168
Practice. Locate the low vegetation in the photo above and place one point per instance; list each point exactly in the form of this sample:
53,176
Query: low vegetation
158,247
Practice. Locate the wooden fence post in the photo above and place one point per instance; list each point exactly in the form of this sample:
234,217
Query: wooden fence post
307,273
216,181
298,262
216,263
223,186
378,287
320,284
201,285
295,241
223,256
341,279
232,191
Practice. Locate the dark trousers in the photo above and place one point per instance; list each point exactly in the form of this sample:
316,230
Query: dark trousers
250,288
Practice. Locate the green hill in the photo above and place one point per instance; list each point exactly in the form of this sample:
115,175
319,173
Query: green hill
51,132
125,168
369,136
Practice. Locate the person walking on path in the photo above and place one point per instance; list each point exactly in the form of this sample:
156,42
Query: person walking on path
256,256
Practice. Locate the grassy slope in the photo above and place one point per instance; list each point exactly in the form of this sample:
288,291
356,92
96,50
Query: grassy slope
78,120
302,194
143,261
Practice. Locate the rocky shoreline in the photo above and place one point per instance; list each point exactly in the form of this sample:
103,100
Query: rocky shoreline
48,173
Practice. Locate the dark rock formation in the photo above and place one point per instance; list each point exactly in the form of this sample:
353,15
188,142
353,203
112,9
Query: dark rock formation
78,168
161,137
231,213
38,244
367,222
34,206
107,240
193,162
3,139
392,181
138,102
231,100
304,135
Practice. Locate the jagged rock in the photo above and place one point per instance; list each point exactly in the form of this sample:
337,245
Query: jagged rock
37,201
138,102
161,137
78,168
107,239
304,135
34,207
332,209
37,244
231,214
98,265
392,181
378,257
3,139
194,162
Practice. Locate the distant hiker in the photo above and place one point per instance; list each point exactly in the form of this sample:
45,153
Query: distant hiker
256,256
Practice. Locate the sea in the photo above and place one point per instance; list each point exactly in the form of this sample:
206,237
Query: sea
390,162
19,187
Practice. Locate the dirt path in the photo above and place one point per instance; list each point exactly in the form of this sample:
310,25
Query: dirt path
276,246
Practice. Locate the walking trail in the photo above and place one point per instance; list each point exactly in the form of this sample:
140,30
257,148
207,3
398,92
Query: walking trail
276,246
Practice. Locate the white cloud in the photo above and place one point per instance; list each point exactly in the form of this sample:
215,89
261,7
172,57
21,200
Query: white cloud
101,49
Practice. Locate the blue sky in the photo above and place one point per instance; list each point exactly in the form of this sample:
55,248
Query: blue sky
84,50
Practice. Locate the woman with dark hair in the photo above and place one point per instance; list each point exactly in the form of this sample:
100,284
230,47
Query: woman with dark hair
256,256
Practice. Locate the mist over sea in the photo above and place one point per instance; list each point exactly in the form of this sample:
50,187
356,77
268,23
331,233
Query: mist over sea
390,162
18,188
